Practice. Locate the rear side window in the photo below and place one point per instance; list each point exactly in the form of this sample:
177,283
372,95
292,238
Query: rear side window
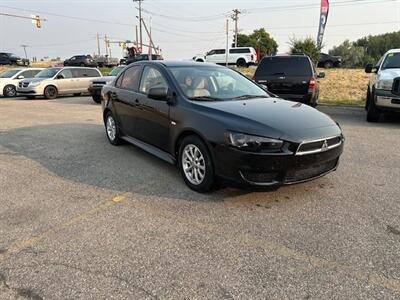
130,79
79,73
30,73
287,65
220,51
239,51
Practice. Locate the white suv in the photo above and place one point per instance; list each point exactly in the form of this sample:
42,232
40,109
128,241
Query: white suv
241,56
383,92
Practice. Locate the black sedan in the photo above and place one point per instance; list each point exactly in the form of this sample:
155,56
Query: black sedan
216,124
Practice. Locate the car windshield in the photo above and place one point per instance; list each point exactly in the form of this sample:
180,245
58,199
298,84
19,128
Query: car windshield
9,73
209,83
116,71
392,61
47,73
285,65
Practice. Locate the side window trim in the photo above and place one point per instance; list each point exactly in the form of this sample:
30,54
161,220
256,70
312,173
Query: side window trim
142,74
122,79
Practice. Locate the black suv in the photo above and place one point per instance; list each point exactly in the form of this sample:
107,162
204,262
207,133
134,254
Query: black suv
329,61
12,59
291,77
81,60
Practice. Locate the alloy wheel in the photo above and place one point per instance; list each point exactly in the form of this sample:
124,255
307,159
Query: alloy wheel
193,163
111,129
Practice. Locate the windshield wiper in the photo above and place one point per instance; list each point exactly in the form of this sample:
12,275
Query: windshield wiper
204,98
279,73
243,97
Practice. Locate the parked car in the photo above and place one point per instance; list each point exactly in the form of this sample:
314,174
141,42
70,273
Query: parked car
291,77
215,123
81,60
12,59
106,61
383,93
97,84
52,82
329,61
241,56
139,57
10,78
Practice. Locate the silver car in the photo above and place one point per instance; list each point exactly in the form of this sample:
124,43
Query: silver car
52,82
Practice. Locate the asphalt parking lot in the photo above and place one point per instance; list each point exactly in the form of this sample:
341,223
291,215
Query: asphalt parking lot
81,219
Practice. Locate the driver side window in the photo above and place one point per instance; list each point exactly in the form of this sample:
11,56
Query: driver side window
65,74
151,77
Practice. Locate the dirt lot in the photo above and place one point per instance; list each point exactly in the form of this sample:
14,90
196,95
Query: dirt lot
81,219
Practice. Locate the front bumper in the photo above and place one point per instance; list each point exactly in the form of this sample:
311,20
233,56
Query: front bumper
95,90
306,99
386,100
30,91
267,169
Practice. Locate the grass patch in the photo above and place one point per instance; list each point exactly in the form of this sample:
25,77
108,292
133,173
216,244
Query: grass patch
339,87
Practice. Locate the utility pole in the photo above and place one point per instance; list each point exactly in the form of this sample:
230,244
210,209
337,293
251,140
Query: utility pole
98,44
235,18
140,23
151,40
106,42
137,37
24,46
227,42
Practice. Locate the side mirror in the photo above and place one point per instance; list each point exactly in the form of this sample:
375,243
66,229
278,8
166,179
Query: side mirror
264,87
158,93
20,77
321,75
60,76
368,68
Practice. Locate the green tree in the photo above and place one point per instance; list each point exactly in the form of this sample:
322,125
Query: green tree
259,38
307,46
352,55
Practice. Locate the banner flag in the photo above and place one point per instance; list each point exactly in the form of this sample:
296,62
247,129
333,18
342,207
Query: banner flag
322,21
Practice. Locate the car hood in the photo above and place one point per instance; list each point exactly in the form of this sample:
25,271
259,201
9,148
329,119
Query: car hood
104,78
389,74
34,79
274,118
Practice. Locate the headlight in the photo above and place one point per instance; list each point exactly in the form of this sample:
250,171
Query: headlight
385,85
252,142
34,83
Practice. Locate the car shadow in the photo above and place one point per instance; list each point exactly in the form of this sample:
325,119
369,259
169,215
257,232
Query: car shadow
81,153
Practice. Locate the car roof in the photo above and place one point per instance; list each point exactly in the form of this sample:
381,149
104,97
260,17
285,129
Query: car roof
172,63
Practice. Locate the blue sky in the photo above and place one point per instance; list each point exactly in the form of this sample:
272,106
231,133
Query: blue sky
184,28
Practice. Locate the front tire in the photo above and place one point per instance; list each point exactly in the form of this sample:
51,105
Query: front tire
195,165
112,130
9,91
373,113
96,98
50,92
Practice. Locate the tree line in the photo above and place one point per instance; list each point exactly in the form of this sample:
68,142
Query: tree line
354,54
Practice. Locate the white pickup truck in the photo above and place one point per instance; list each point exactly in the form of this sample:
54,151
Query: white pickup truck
240,56
384,87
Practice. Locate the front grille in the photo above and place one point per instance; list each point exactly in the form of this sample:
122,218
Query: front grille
319,145
311,172
396,86
256,177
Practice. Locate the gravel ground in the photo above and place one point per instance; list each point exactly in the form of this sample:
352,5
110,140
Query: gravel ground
81,219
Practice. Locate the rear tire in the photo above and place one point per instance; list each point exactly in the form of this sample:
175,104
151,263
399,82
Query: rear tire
373,113
9,91
50,92
96,98
112,130
241,63
195,165
328,65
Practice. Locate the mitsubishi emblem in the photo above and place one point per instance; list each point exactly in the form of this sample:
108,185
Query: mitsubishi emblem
325,145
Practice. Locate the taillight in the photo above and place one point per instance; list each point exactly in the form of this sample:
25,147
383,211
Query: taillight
311,85
252,57
254,77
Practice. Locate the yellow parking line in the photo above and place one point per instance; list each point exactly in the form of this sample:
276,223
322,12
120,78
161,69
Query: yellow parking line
78,218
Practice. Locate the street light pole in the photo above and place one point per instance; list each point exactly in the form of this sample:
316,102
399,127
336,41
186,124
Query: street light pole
24,46
140,23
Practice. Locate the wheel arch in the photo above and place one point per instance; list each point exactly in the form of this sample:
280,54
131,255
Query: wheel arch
188,132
